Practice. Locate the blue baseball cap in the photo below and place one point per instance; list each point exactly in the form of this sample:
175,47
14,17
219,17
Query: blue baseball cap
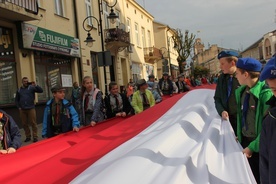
269,70
249,64
227,53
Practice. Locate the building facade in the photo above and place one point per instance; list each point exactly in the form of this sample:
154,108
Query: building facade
38,44
163,36
207,57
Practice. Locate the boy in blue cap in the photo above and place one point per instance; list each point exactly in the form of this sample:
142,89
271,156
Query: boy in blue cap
268,132
59,115
225,100
251,98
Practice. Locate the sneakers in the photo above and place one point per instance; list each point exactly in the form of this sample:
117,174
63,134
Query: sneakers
35,140
27,139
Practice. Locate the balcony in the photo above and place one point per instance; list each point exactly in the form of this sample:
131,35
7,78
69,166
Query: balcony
116,39
152,54
19,10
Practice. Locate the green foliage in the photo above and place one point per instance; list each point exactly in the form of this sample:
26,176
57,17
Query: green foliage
200,70
183,45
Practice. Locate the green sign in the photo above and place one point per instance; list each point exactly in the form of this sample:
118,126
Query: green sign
38,38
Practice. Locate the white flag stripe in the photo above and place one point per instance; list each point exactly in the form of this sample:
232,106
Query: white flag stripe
188,144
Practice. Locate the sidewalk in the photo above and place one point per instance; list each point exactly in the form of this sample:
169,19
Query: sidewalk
39,131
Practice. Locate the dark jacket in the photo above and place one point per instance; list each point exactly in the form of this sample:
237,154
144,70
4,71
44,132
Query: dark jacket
170,85
220,97
268,145
25,97
185,87
11,137
109,112
69,118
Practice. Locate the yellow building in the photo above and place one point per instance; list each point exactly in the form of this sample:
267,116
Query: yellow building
46,43
163,36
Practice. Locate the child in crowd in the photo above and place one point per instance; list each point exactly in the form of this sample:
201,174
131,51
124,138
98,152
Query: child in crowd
166,84
92,103
142,98
198,81
117,104
75,97
154,88
268,132
181,85
251,102
9,134
225,100
59,115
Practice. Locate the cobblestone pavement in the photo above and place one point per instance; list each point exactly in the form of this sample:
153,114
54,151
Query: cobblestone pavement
23,137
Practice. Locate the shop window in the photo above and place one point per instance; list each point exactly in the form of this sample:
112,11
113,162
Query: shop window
52,70
7,82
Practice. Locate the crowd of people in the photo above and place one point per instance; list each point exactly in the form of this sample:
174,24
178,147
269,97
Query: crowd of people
244,96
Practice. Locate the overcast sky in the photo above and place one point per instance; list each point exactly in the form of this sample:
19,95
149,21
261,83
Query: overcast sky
232,24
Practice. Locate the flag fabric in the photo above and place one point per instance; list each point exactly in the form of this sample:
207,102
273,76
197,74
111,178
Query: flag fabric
180,140
188,144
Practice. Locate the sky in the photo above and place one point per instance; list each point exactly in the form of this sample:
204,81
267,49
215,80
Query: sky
231,24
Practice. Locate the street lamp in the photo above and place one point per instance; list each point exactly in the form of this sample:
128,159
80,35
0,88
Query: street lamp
89,40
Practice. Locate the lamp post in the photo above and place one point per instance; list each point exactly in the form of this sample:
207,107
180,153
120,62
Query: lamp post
89,40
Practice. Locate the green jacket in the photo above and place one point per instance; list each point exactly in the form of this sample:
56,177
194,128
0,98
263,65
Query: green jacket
137,102
263,94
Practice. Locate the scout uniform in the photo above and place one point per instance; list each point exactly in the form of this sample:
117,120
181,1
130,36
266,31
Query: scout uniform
250,112
225,92
268,133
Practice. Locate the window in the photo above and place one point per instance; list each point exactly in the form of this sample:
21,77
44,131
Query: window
118,21
149,39
7,82
106,14
49,69
136,71
59,7
129,28
137,34
7,67
88,8
143,37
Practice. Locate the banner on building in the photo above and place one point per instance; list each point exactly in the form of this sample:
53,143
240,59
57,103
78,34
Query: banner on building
38,38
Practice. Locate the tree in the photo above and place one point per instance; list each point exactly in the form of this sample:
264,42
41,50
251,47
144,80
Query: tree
200,71
184,46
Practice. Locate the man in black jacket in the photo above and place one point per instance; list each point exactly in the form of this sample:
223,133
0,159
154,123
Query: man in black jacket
24,101
181,85
166,84
10,138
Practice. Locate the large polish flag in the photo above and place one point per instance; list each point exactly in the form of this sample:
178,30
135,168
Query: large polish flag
180,140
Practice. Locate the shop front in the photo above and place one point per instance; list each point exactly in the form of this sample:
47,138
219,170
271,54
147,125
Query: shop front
8,84
48,58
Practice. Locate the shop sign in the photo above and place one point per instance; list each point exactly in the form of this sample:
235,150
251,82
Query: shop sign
6,44
38,38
